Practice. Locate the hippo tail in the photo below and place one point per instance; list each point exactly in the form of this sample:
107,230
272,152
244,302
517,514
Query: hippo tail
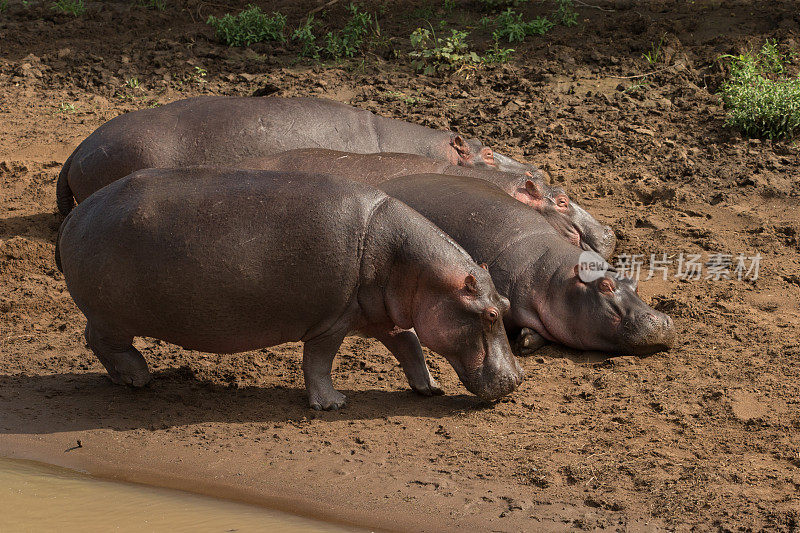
64,198
58,243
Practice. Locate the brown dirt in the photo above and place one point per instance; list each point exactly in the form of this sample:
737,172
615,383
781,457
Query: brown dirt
705,436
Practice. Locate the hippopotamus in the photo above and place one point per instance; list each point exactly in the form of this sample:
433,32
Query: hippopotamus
531,187
232,260
221,130
537,270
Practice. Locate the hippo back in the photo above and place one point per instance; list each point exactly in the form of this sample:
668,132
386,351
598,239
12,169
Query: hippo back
475,213
257,257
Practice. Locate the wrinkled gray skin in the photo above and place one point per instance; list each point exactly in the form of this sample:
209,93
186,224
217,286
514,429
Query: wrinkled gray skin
221,130
226,261
531,187
537,270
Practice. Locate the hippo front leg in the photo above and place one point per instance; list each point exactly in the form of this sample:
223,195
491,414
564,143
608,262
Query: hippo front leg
406,348
527,342
318,355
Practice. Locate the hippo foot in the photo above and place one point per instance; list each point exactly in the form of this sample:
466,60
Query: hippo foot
431,388
527,343
126,368
329,401
124,363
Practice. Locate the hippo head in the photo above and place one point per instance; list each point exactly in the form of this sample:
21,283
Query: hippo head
473,153
463,321
569,219
605,314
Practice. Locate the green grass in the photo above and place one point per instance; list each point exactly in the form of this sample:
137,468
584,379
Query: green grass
249,26
761,98
69,7
655,54
159,5
496,4
510,26
3,5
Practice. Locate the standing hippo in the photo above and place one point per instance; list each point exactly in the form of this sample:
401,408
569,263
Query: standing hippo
221,130
536,269
531,187
227,261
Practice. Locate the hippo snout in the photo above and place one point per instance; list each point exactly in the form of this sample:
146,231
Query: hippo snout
657,334
496,379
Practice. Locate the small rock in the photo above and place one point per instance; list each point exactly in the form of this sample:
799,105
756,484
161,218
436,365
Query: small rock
64,52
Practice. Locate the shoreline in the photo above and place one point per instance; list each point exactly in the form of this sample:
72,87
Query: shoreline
101,466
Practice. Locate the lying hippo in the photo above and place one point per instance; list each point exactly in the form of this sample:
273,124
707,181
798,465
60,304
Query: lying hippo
531,187
221,130
536,269
228,261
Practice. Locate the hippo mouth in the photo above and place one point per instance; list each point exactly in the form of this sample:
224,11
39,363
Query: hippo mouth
658,337
490,382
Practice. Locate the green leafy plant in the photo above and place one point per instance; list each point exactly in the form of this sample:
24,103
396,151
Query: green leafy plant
762,100
133,83
69,7
510,26
348,41
496,55
65,107
3,5
565,13
305,36
432,54
250,26
160,5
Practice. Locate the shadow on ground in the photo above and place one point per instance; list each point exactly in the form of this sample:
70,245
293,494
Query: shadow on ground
73,402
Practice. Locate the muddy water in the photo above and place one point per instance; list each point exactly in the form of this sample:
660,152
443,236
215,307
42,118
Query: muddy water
35,497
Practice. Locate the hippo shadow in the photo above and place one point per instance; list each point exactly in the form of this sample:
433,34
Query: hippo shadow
73,402
40,226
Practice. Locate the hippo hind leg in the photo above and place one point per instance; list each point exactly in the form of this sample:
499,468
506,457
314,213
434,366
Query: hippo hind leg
124,363
318,356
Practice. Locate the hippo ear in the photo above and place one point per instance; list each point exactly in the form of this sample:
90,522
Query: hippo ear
534,190
458,142
471,284
484,266
607,285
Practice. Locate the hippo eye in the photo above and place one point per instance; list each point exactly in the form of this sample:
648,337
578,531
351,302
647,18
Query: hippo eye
491,314
488,155
562,202
607,285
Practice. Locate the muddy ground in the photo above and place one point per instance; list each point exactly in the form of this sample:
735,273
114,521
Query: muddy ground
705,436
